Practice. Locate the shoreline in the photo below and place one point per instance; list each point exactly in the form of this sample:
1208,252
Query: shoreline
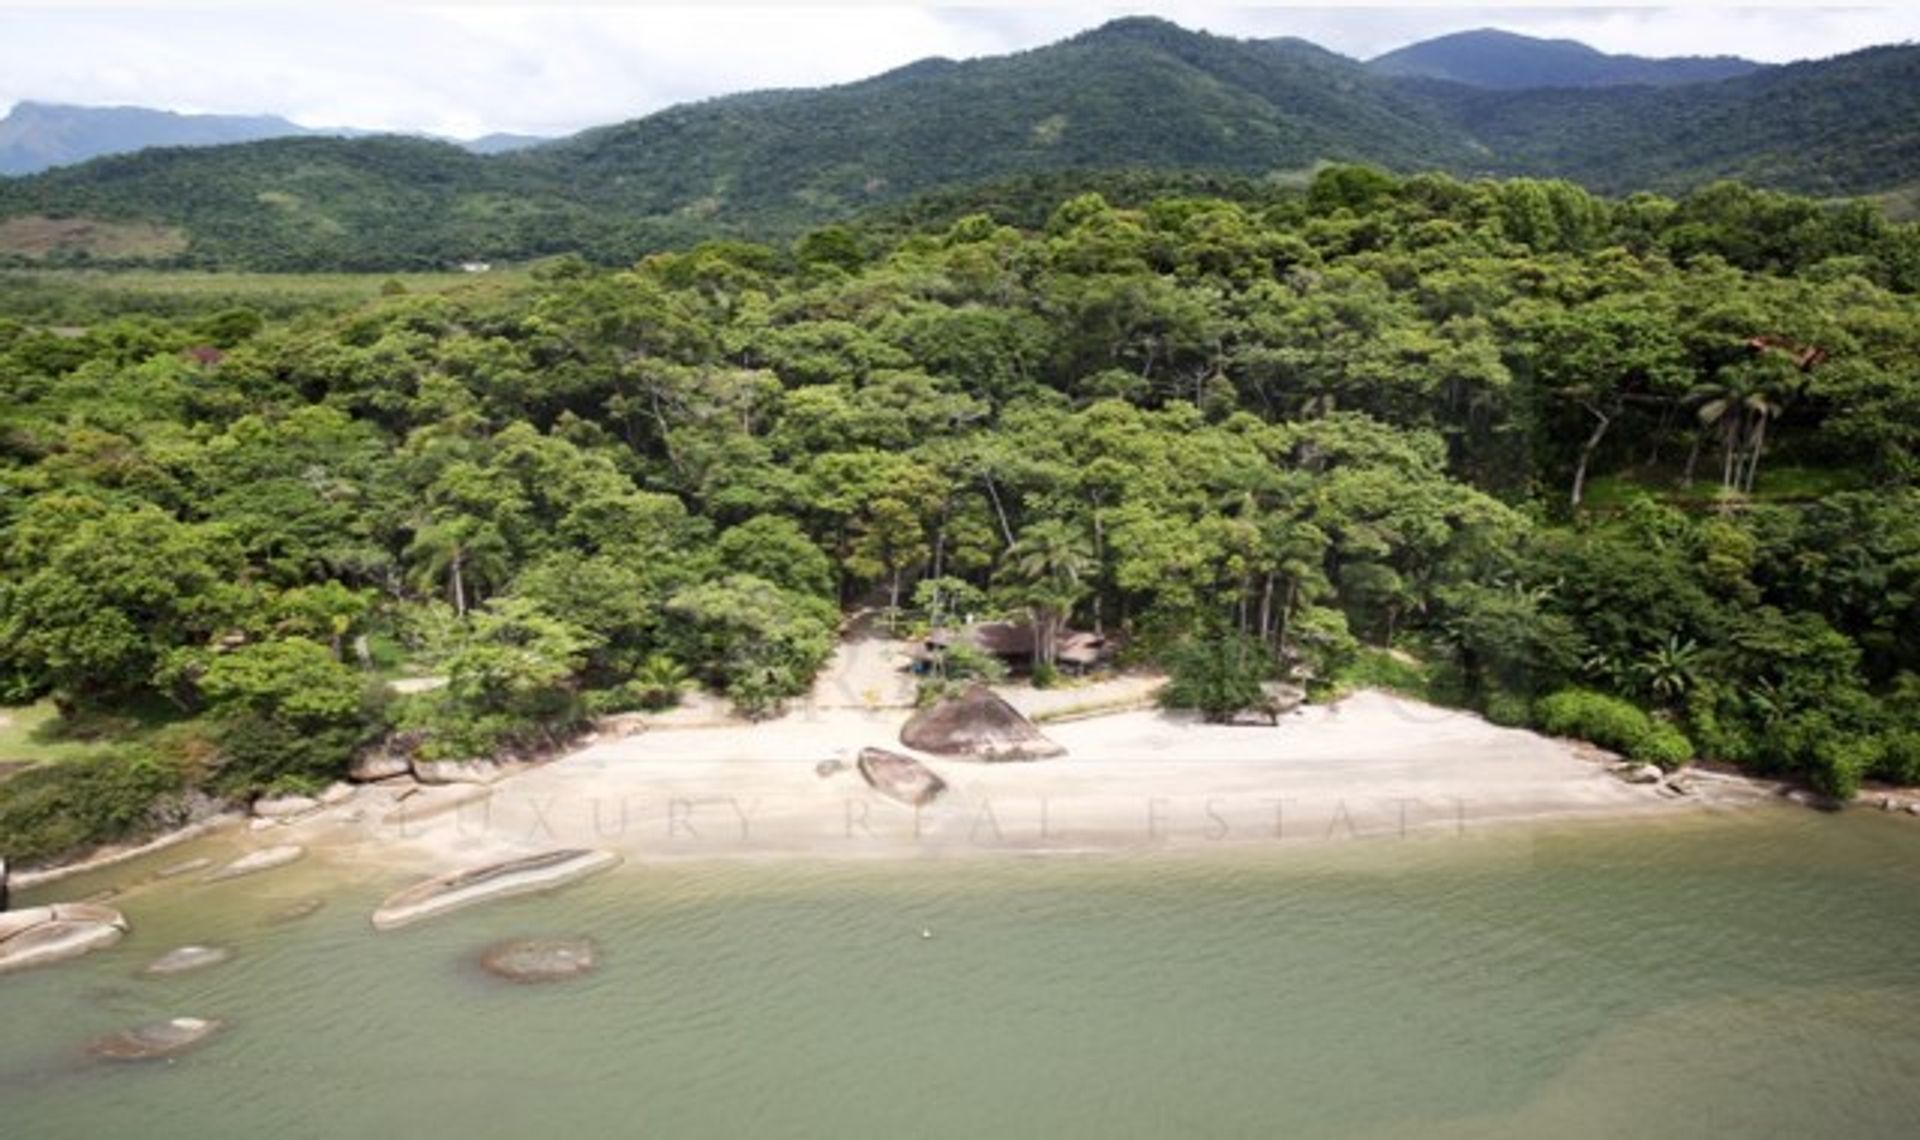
1371,766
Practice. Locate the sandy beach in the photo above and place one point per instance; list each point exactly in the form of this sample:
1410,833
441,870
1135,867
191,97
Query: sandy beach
695,785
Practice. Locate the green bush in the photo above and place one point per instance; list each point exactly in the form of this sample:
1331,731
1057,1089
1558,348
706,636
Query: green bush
1664,745
1613,724
1217,676
51,810
1509,709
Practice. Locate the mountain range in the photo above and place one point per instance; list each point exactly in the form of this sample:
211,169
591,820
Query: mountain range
38,136
1134,94
1489,57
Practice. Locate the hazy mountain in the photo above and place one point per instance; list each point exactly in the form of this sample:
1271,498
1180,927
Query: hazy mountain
38,136
1133,95
1508,61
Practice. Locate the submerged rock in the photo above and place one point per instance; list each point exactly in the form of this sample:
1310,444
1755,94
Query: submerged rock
155,1040
187,958
43,934
540,959
900,777
293,912
827,768
457,889
1642,774
265,859
187,867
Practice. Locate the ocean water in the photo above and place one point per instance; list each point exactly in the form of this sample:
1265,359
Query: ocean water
1754,975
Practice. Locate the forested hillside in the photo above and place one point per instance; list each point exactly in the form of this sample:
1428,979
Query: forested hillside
1135,95
1641,472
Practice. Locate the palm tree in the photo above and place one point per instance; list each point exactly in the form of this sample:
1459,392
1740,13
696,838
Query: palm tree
1050,561
1740,403
467,552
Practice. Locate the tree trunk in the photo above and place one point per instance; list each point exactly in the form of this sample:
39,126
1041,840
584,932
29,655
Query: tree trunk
1753,461
1586,453
459,584
993,493
1693,459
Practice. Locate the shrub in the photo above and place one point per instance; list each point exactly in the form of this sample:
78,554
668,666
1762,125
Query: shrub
1613,724
1664,745
1217,676
51,810
1511,710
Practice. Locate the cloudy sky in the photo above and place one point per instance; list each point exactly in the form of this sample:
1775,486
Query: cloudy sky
466,69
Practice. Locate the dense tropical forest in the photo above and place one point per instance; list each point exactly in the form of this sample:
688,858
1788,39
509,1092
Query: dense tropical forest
1133,94
1640,471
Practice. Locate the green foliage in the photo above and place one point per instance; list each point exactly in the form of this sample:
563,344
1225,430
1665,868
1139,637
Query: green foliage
1613,724
286,709
55,810
1217,677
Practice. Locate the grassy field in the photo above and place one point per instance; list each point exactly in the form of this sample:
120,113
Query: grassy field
78,297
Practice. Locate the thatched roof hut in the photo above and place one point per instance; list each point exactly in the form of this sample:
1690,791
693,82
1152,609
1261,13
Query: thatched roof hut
977,725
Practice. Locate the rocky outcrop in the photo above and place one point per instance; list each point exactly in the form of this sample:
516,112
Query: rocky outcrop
900,777
540,959
457,771
186,959
378,764
284,807
154,1041
265,859
977,725
458,889
39,935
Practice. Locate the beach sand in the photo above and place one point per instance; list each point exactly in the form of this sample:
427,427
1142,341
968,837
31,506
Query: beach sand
1370,766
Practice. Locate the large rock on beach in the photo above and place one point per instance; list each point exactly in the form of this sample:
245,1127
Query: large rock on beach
540,959
43,934
265,859
977,725
378,764
156,1040
900,777
457,889
186,959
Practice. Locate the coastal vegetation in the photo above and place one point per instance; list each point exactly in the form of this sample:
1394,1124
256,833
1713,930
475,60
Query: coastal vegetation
1351,430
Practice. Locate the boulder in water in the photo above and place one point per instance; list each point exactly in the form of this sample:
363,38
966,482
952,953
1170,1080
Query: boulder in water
900,777
187,958
265,859
156,1040
43,934
540,959
976,724
457,889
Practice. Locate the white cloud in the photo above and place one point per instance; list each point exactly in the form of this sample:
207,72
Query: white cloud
480,67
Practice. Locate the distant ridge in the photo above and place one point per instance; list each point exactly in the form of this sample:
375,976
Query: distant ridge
1508,61
37,136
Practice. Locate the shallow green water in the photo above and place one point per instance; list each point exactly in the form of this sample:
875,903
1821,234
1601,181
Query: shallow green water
1758,976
